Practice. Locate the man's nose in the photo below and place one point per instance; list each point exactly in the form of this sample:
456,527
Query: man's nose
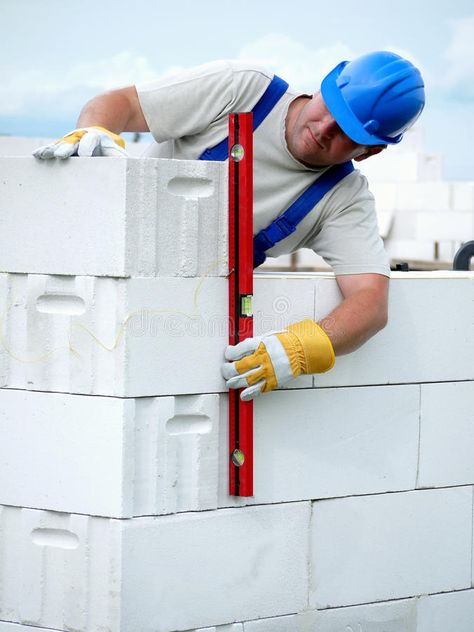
328,127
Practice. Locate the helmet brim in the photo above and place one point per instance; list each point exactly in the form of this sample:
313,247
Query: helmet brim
344,116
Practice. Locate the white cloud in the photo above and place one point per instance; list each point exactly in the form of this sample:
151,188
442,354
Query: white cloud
407,54
120,70
301,66
23,91
51,93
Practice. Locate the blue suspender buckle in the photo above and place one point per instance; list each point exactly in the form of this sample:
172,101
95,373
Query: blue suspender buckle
275,232
285,226
278,230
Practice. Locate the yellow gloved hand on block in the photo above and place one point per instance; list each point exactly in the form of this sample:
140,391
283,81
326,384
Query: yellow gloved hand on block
263,363
85,141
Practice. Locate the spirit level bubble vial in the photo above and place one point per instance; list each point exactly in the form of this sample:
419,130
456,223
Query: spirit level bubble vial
240,294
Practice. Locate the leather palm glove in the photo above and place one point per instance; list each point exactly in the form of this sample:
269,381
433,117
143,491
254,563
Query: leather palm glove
85,141
263,363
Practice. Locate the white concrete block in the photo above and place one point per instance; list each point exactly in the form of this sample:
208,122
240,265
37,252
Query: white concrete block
445,225
432,613
440,251
150,456
120,217
403,226
402,166
446,435
123,337
473,541
424,196
60,570
239,564
153,574
451,611
325,443
385,194
423,308
447,249
126,337
410,249
109,457
385,221
462,196
296,622
395,616
392,546
280,300
232,627
15,627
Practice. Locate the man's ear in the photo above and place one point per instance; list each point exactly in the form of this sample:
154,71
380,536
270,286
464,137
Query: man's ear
370,151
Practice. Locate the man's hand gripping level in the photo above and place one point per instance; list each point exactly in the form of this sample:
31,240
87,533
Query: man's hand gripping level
263,363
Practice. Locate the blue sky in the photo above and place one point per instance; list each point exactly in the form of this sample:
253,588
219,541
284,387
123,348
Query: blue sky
56,54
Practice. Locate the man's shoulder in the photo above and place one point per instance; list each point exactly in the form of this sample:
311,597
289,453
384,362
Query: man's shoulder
242,71
243,66
234,66
238,73
355,182
352,191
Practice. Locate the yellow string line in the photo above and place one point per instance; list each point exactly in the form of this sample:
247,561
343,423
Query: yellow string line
100,343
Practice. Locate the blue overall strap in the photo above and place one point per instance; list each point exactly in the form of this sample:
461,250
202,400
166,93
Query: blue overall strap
264,106
287,222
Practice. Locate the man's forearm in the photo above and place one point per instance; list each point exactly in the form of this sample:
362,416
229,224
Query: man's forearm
355,320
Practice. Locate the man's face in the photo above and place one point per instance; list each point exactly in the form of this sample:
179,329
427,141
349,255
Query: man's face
315,139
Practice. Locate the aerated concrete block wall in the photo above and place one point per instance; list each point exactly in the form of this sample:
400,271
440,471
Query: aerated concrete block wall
114,509
422,216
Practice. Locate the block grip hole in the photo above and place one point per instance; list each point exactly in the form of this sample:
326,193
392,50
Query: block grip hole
188,424
57,538
191,187
60,304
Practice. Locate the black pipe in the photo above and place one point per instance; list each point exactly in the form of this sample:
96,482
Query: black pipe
462,259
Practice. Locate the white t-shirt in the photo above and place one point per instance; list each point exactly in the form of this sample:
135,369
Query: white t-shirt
188,113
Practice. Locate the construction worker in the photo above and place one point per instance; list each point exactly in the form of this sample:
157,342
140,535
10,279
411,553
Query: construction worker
306,191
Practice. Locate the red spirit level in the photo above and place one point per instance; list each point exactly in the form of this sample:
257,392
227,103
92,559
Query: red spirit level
240,294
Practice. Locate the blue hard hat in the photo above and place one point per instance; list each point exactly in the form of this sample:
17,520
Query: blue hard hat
375,98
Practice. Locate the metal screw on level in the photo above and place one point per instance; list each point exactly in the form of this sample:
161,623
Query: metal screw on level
238,457
237,152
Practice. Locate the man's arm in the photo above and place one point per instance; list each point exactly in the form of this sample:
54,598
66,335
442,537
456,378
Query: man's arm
262,363
98,127
363,312
117,111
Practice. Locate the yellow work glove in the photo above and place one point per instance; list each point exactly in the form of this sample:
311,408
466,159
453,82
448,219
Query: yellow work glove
266,362
85,141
